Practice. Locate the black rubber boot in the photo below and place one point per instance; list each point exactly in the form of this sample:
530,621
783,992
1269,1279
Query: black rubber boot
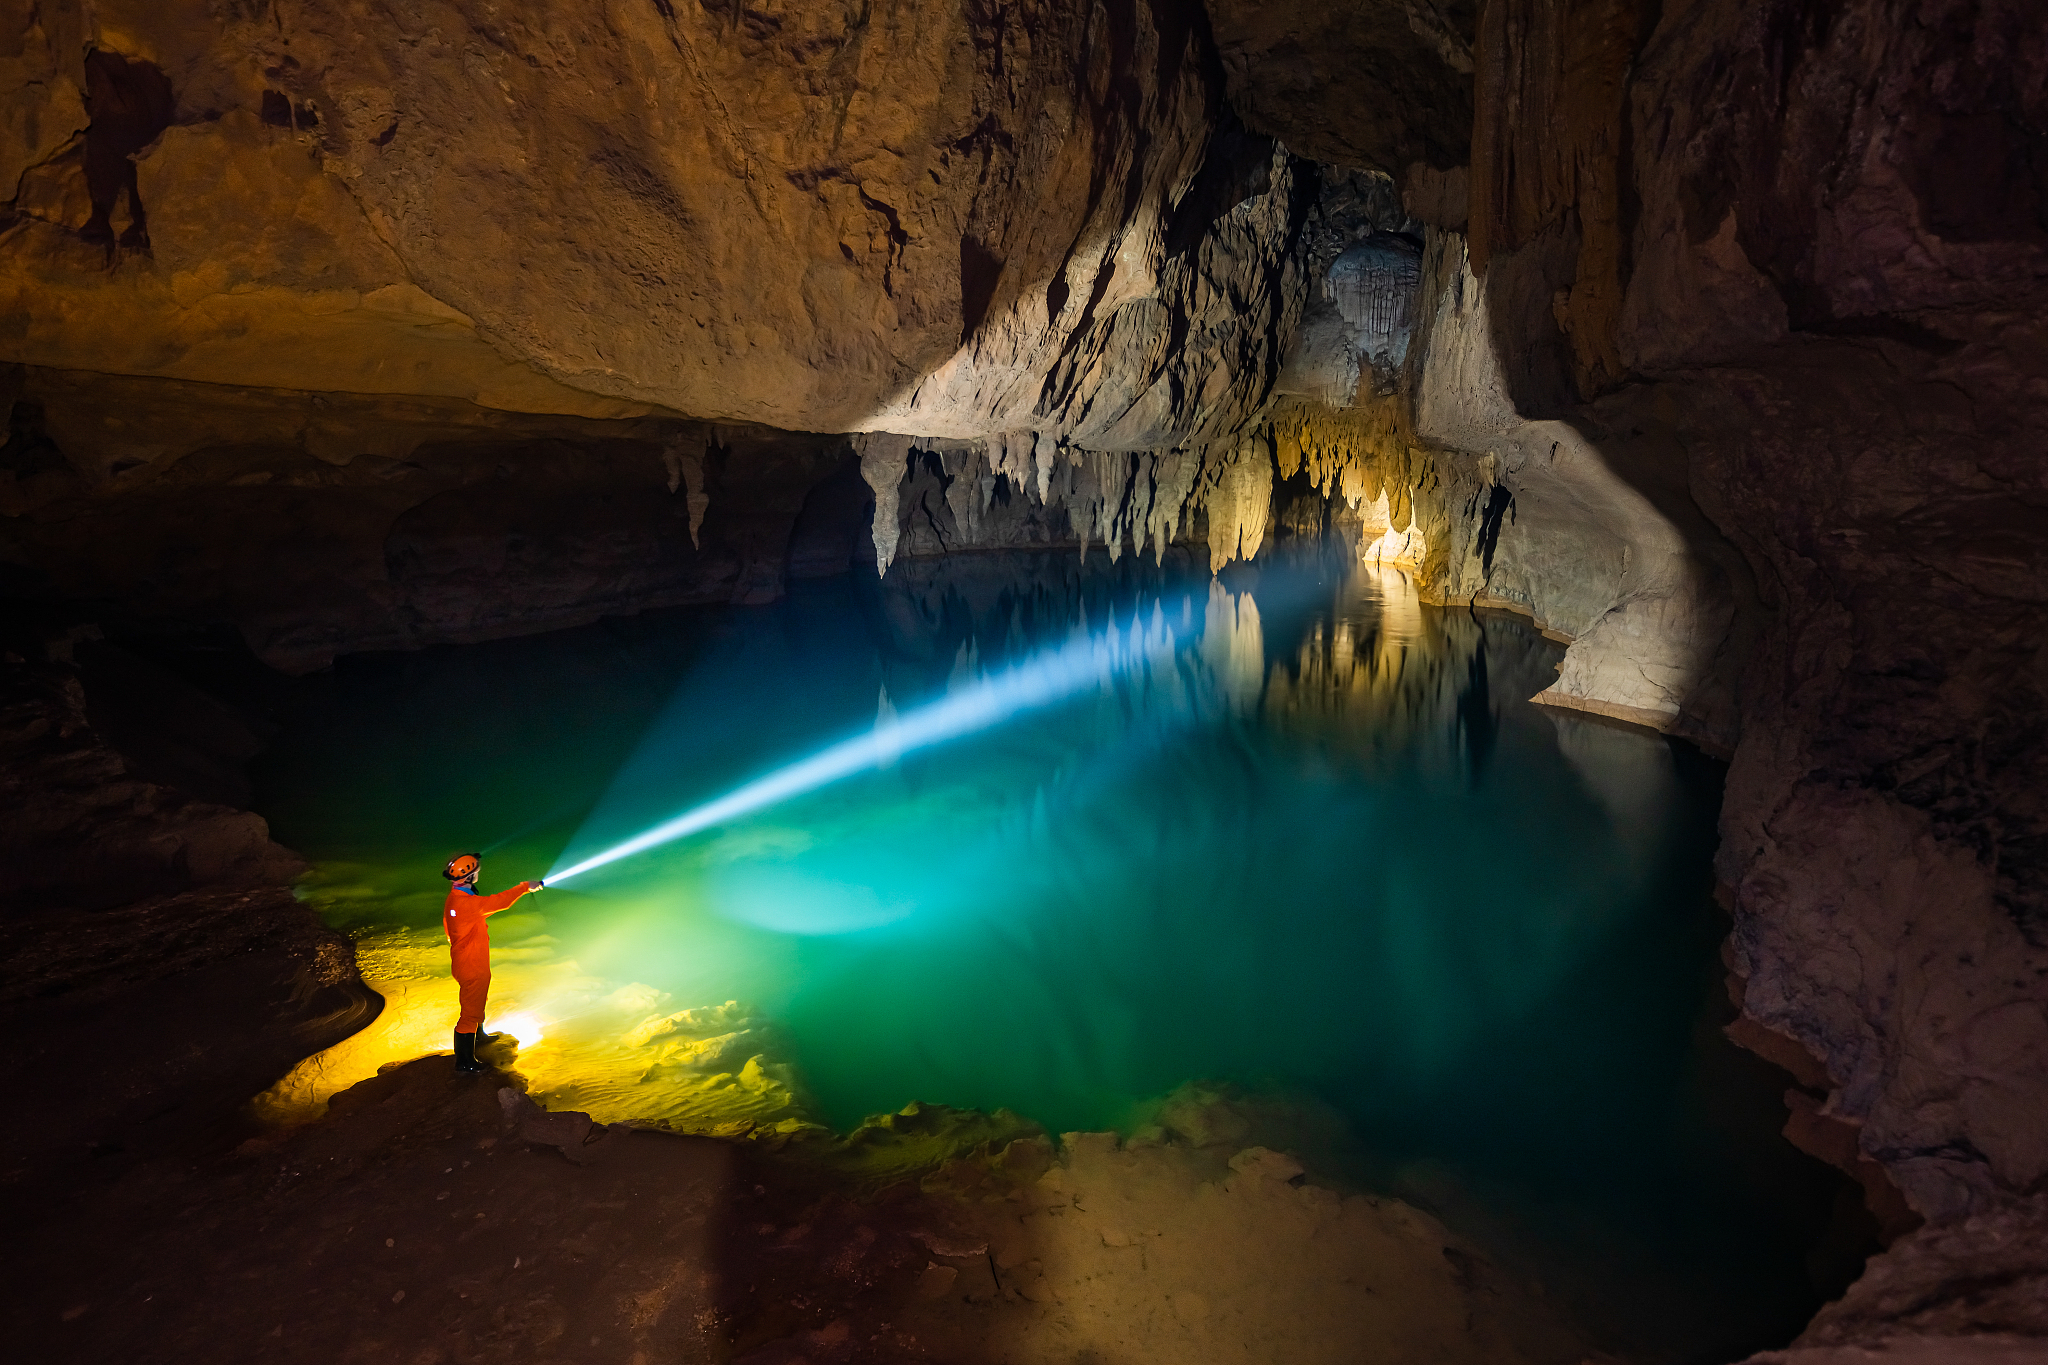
484,1040
465,1054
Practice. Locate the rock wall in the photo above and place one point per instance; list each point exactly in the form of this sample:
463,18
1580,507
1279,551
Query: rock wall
1373,84
1834,241
93,827
1734,379
1588,524
319,524
1765,467
1862,435
456,270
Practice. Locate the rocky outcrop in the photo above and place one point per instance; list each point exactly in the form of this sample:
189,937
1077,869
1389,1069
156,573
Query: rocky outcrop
425,1206
1587,524
84,833
1822,387
1963,1293
1860,436
319,264
1729,383
1821,311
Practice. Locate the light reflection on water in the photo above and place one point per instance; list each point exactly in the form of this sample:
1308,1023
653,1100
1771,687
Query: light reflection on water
1326,846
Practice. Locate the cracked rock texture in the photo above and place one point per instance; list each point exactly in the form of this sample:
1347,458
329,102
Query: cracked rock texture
1872,445
1378,84
1736,378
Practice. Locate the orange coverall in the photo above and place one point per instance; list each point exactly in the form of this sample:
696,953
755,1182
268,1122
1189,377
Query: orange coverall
469,946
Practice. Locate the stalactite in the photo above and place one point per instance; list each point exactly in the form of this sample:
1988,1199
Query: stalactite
1237,493
685,465
1118,499
1352,454
883,459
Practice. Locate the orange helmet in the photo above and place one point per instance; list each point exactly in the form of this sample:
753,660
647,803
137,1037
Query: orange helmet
462,867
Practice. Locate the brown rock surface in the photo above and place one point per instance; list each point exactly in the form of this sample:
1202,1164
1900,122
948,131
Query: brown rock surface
1383,84
83,833
1548,231
945,220
1833,318
1967,1292
434,1211
1763,216
1887,793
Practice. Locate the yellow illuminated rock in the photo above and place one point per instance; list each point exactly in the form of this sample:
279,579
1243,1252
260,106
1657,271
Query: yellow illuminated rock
617,1051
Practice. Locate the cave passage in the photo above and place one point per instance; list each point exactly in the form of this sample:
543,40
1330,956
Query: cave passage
1322,851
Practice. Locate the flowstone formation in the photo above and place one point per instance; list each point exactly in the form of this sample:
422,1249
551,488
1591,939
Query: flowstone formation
1708,335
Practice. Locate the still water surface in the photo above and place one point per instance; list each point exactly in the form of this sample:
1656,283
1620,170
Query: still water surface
1321,847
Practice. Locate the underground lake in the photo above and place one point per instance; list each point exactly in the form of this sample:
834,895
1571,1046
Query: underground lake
1303,855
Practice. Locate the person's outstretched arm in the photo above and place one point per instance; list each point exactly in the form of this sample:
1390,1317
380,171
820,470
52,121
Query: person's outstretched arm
491,905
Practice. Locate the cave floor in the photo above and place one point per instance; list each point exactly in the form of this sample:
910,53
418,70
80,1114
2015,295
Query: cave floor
432,1217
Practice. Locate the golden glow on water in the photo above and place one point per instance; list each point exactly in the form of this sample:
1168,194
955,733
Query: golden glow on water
523,1029
619,1051
1375,677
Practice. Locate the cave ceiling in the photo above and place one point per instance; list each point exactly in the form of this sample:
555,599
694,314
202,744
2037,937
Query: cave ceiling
821,217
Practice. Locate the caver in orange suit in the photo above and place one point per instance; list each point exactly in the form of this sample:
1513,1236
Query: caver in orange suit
469,947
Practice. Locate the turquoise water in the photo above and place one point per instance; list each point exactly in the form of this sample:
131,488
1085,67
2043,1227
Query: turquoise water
1320,846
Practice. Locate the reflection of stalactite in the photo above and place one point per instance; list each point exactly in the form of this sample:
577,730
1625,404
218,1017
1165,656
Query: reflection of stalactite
1394,678
1234,647
1478,725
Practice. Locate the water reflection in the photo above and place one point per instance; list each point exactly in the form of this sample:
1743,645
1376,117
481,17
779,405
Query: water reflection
1386,683
1313,707
1324,844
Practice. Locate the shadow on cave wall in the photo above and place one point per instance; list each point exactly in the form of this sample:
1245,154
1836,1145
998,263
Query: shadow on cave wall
130,104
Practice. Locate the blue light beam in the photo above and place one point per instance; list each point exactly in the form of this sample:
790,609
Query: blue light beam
1040,681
